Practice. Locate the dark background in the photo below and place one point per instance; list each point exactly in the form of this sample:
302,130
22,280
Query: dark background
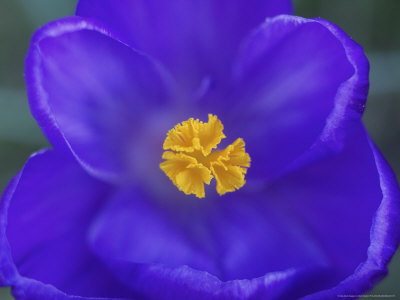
375,24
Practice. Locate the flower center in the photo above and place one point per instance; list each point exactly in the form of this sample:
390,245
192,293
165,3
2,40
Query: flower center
191,161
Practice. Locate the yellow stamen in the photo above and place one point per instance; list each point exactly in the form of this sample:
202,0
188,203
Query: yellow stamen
191,161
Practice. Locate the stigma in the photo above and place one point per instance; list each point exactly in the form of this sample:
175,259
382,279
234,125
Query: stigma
191,158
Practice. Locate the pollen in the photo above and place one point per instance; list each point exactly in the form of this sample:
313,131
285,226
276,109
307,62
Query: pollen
192,159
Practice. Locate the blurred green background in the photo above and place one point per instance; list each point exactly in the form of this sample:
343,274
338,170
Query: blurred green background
375,24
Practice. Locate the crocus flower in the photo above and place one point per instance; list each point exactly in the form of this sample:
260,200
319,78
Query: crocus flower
280,194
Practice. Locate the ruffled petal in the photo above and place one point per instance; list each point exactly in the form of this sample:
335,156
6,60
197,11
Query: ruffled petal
45,214
97,97
299,85
193,134
186,173
351,205
195,39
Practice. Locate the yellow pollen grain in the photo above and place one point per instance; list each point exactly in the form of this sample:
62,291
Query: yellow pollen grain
191,158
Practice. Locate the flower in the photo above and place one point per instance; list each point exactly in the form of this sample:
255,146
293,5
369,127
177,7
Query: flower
97,218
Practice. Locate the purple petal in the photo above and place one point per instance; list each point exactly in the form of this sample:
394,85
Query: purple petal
134,227
45,214
97,97
161,283
225,248
255,236
299,85
195,39
351,205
